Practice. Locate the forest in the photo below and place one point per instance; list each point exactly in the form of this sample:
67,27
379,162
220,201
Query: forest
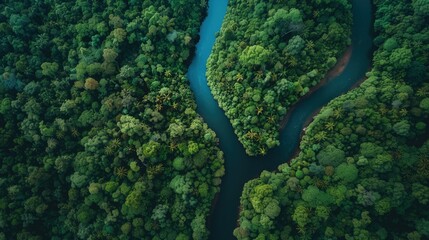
269,54
363,168
99,137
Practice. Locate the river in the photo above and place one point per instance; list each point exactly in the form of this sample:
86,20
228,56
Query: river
240,168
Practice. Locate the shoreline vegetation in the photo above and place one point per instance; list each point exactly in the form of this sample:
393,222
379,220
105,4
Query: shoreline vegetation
267,56
334,72
357,176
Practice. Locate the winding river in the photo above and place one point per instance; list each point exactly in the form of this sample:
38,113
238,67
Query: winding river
240,168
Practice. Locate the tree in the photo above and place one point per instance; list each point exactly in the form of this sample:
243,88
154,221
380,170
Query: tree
35,204
126,228
71,135
192,147
198,226
314,197
20,23
331,156
422,226
295,45
301,216
272,210
383,206
421,7
126,72
424,104
180,185
179,163
49,68
369,150
286,21
132,126
111,186
91,84
94,69
119,35
159,213
149,149
255,55
109,55
176,129
135,203
201,156
260,197
178,4
390,44
322,212
402,128
382,163
421,193
338,192
78,180
401,58
346,173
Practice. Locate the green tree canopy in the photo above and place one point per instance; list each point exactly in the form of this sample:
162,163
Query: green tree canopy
331,156
255,55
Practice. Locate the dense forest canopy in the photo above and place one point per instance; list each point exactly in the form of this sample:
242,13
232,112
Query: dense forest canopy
268,55
363,169
99,134
100,139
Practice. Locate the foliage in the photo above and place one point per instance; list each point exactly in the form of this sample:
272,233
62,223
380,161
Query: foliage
99,134
368,178
268,54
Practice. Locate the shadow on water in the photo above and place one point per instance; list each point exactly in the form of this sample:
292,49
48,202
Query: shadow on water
240,168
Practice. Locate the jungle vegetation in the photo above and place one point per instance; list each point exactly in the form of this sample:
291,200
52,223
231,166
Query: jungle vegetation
99,138
269,54
363,169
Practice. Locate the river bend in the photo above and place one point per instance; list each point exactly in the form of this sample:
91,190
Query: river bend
239,167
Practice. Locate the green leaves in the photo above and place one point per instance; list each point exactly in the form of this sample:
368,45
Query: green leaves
421,193
295,45
346,173
132,126
261,197
359,171
49,68
283,49
331,156
424,104
87,95
401,58
421,7
402,128
314,197
179,163
255,55
301,216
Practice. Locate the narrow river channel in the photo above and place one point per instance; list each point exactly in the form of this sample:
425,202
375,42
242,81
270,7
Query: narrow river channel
240,168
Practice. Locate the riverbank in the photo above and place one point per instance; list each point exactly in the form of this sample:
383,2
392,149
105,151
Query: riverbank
334,72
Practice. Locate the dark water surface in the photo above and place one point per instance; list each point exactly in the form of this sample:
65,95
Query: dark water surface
240,168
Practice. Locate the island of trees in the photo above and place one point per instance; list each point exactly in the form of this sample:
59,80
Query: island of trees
268,55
